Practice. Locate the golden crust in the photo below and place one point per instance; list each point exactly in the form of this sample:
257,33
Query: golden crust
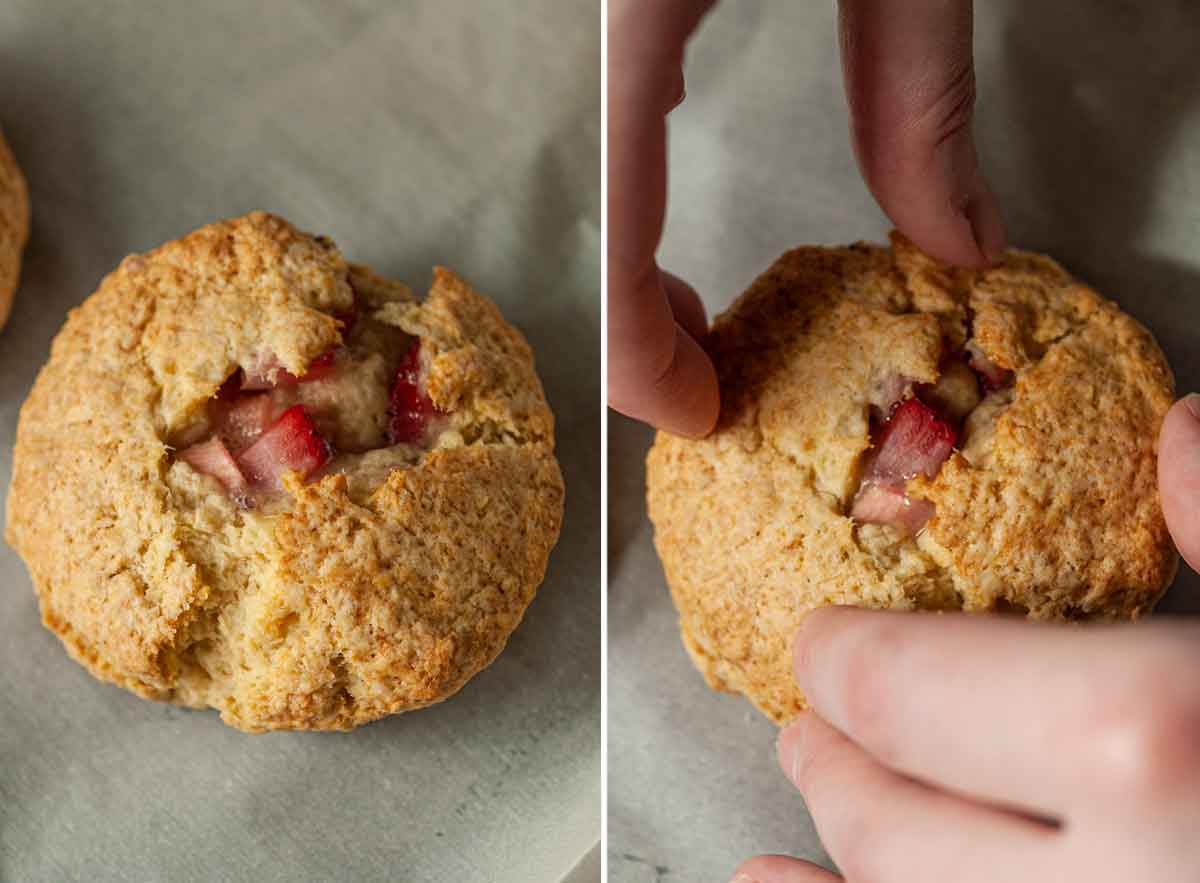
14,226
1050,507
376,590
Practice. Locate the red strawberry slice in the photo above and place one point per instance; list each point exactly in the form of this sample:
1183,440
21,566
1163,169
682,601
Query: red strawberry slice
914,441
267,372
991,375
411,409
888,504
243,420
213,458
291,443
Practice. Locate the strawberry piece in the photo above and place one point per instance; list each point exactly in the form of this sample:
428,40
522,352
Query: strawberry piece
213,458
291,443
411,409
914,441
243,420
991,375
888,504
268,372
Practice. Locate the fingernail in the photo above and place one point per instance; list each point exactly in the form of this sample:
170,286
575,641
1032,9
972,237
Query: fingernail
1192,403
681,94
788,747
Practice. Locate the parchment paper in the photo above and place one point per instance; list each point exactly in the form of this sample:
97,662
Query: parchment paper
1089,127
463,132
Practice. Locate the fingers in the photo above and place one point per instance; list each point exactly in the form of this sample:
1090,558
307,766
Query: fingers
985,705
686,306
880,826
1179,476
781,869
657,371
910,83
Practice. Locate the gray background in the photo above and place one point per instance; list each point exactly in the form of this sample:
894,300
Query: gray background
1089,127
459,132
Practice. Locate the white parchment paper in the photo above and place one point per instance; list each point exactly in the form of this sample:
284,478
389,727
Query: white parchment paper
1089,126
462,132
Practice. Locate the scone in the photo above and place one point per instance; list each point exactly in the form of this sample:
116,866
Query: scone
255,477
898,433
14,226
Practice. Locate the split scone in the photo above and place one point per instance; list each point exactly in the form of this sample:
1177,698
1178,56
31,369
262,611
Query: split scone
255,477
14,227
899,433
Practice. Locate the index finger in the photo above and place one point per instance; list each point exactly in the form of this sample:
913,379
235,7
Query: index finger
656,371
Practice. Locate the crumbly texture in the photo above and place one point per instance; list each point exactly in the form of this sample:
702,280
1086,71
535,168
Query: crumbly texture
1049,508
379,587
14,226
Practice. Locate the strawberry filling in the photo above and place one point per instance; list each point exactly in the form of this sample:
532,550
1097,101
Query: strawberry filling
290,444
267,372
243,420
411,409
213,458
991,375
257,432
913,441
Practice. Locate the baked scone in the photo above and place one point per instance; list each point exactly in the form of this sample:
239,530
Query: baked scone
255,477
14,226
898,433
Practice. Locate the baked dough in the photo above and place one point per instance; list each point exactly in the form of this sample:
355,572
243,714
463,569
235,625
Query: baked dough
1047,506
381,583
14,226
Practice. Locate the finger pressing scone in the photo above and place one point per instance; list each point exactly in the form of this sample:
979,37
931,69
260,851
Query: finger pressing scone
255,477
14,226
898,433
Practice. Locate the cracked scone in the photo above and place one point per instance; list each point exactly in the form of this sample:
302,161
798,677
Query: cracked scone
897,433
14,226
255,477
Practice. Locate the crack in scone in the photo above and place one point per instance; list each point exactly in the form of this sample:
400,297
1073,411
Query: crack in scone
337,500
1033,492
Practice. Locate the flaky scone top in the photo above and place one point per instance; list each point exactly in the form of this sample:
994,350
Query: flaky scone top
380,585
1047,506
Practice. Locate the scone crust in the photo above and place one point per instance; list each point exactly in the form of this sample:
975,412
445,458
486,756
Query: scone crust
14,226
364,596
1050,508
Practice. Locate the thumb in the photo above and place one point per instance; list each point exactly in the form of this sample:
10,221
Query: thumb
1179,476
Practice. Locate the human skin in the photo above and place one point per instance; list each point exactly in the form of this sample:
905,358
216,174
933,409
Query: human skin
948,747
911,91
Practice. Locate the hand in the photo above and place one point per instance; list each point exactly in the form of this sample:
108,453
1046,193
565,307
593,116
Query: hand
981,749
911,88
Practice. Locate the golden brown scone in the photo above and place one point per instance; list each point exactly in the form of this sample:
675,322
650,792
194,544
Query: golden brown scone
14,226
1039,400
255,477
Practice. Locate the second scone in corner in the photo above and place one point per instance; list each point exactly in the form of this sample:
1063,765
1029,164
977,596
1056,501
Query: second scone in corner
256,477
14,226
898,433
